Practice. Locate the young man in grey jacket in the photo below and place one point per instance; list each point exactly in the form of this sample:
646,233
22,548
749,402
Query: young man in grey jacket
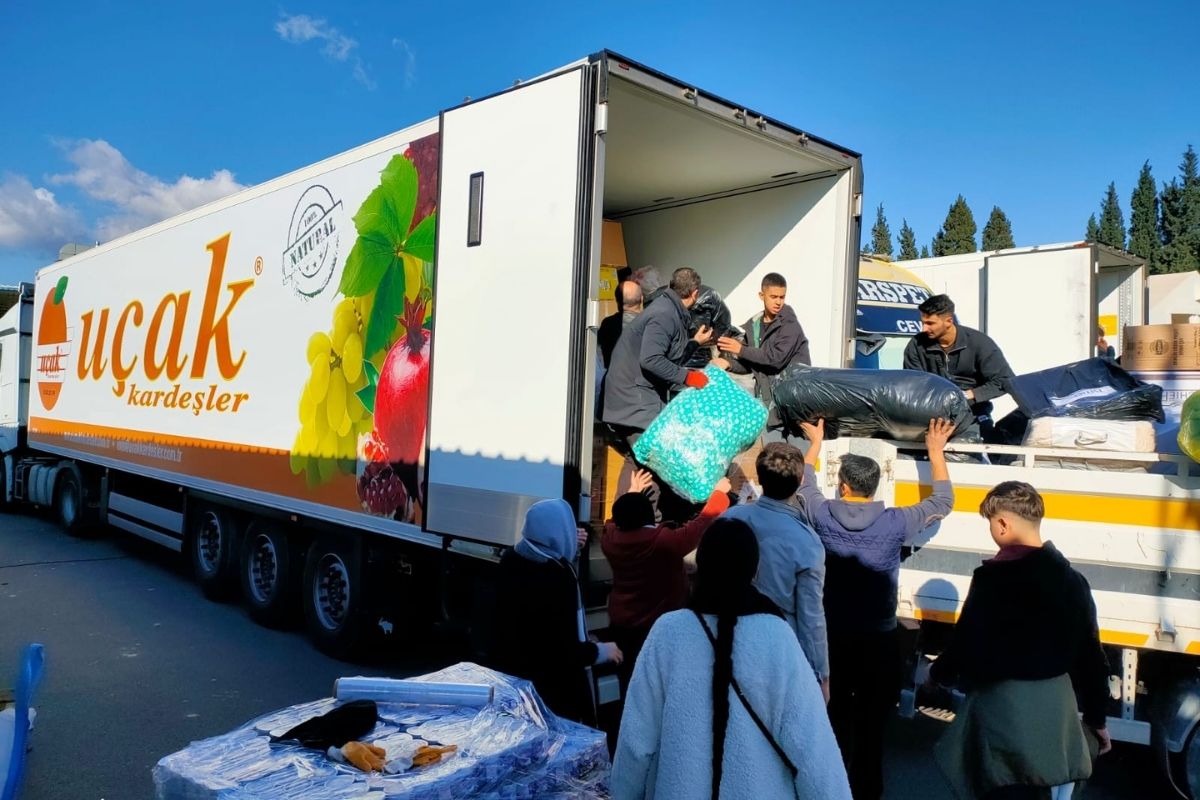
862,540
791,566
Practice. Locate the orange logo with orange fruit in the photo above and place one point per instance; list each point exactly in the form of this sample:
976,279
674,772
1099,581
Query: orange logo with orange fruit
53,345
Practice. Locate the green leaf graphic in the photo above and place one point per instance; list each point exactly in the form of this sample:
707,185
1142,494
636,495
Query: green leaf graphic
60,289
389,304
400,183
369,259
420,242
366,395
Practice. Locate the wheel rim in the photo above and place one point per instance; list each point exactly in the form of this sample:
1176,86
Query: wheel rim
332,592
68,502
208,543
264,569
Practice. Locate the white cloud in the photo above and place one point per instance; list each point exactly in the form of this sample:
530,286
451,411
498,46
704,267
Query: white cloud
410,61
31,217
301,29
138,199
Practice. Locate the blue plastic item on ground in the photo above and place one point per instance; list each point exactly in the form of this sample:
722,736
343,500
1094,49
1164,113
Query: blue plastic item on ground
32,663
511,748
693,440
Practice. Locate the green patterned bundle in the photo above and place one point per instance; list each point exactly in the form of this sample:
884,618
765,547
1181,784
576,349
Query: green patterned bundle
692,442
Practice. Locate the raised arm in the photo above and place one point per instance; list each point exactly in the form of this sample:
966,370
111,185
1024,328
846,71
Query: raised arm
935,507
810,492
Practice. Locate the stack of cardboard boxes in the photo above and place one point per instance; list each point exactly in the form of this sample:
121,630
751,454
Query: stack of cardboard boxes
1167,355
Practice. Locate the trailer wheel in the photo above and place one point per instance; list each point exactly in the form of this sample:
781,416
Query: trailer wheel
334,612
268,576
211,545
68,503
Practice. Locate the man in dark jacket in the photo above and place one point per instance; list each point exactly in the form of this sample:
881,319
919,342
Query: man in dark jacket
629,305
647,363
962,355
776,342
862,540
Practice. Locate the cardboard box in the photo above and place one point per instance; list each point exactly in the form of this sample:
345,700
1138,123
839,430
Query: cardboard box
1161,348
612,245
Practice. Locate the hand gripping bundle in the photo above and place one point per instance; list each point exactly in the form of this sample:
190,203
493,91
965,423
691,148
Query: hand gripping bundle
692,442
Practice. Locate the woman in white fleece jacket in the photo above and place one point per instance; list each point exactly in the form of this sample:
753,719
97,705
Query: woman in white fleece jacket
686,732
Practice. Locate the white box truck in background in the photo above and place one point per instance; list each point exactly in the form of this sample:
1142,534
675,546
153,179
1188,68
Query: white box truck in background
333,388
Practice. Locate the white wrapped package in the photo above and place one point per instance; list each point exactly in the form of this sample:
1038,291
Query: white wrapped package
391,690
1076,433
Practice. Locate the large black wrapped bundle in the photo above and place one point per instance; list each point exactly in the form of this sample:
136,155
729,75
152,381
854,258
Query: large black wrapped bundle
1095,388
710,310
888,403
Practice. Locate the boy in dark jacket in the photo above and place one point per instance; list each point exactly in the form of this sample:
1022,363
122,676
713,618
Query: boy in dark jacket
1026,648
647,560
862,540
775,339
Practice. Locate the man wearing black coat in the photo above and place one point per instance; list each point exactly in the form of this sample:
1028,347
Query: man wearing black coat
647,363
964,356
775,339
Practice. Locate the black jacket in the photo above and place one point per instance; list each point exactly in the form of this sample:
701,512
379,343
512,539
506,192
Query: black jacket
609,333
535,634
974,362
783,344
646,363
1029,618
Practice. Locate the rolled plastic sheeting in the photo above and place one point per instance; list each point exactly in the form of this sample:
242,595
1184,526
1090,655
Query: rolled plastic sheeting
391,690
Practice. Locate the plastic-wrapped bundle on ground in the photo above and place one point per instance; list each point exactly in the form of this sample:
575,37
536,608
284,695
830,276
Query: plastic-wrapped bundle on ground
1095,388
692,442
1189,427
893,404
511,748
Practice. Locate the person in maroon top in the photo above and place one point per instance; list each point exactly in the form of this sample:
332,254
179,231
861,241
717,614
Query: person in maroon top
647,560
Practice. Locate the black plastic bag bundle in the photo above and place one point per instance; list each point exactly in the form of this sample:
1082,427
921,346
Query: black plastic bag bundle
1095,389
709,310
887,403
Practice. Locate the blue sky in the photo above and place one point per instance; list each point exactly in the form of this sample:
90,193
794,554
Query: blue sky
117,114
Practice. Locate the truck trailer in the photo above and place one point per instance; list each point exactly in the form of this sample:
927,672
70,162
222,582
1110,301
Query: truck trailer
340,390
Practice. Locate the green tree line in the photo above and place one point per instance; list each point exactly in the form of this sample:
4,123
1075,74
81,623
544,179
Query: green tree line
1164,223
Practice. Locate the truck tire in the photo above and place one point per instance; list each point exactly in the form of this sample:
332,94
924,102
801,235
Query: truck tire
268,575
333,598
68,503
211,546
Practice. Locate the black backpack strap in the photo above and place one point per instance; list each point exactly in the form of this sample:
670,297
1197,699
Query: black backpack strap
737,690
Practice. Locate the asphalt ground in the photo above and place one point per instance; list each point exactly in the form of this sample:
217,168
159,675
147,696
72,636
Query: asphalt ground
139,663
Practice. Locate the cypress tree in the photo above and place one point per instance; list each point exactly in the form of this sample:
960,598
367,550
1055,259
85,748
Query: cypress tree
1093,230
1112,220
881,234
997,234
1143,219
924,251
1180,221
957,234
938,245
908,242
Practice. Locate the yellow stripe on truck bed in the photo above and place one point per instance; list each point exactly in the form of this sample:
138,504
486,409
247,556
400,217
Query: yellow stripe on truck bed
1120,638
1120,510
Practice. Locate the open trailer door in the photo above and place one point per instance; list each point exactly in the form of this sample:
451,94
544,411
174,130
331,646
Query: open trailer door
513,253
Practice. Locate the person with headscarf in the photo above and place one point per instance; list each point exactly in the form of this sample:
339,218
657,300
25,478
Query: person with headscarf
761,730
539,632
